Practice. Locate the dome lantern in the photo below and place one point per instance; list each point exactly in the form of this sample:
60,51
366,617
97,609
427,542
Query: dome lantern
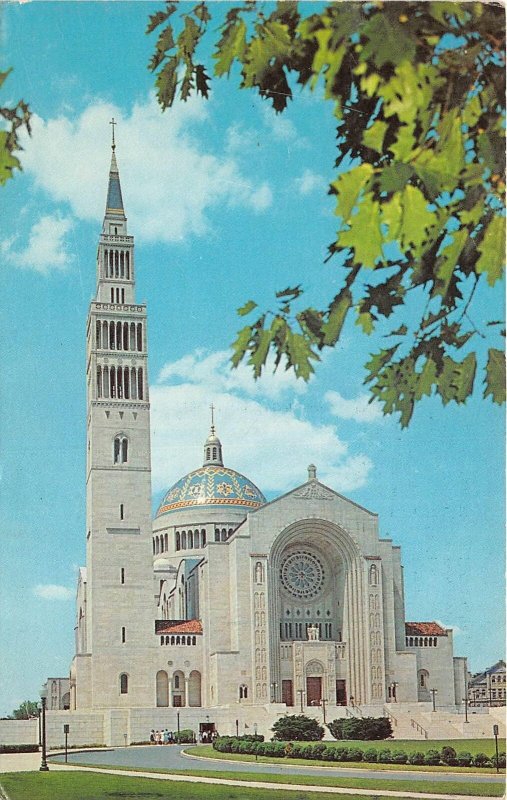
213,446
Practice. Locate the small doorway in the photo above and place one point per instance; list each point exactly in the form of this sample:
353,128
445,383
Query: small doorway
207,732
341,693
313,691
287,695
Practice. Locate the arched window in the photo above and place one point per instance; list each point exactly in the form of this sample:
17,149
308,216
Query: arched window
178,542
224,535
133,383
166,539
217,534
190,540
126,383
140,383
111,335
122,265
125,336
243,692
196,540
139,336
259,573
116,271
99,381
214,453
98,329
184,540
127,265
120,450
124,683
119,337
203,537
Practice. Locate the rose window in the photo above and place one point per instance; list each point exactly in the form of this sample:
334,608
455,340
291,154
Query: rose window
302,574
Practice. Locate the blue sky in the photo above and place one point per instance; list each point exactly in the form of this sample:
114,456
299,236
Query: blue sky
226,202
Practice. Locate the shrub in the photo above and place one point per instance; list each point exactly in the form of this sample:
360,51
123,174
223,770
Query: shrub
364,728
481,760
432,758
186,736
448,755
295,750
19,748
501,760
464,759
370,755
399,757
318,750
329,754
354,754
298,728
416,758
384,756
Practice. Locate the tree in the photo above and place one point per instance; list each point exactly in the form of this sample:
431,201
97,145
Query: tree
417,89
27,709
361,728
297,728
17,117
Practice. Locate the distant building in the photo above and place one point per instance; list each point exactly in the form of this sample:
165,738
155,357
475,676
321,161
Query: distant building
58,694
488,688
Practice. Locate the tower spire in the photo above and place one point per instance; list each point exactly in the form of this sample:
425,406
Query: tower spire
114,202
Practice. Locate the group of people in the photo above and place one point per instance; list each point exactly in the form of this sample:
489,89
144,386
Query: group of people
162,737
207,737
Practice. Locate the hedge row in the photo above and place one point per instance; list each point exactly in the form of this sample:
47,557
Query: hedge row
19,748
331,752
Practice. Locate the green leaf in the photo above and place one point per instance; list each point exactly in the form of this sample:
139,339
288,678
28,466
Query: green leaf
395,177
495,376
373,137
417,220
244,310
338,310
364,235
448,261
300,354
273,41
348,187
456,381
202,13
157,19
8,162
232,45
366,321
167,82
259,353
492,250
388,42
427,378
240,345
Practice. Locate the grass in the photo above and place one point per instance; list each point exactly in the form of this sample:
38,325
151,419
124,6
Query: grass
208,752
92,786
392,784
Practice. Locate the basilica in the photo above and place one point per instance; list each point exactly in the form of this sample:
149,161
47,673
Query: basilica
226,609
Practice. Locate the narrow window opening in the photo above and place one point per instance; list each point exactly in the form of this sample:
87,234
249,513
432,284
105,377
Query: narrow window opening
112,295
124,684
140,383
123,573
123,637
121,517
139,336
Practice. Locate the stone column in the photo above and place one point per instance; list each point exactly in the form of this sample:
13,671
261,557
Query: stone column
185,701
170,690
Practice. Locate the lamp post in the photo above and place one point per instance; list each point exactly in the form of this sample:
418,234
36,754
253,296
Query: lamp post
237,728
433,692
465,700
178,722
323,704
495,734
43,763
301,693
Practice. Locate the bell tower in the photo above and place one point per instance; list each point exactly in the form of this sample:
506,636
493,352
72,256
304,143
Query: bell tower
120,633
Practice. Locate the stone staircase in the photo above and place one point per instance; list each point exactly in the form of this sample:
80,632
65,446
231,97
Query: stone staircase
413,723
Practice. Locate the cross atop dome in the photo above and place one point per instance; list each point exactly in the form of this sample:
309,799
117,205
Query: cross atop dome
213,445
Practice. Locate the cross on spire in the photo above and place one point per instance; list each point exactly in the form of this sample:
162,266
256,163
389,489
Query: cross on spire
113,123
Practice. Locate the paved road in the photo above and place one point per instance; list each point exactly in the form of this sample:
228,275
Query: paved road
170,757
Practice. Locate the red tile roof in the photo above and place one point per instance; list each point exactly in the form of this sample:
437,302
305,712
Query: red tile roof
178,626
424,629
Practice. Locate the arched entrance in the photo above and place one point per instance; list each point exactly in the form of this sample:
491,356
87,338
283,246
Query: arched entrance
194,688
162,688
314,683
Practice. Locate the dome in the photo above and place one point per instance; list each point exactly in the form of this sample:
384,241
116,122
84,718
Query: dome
212,485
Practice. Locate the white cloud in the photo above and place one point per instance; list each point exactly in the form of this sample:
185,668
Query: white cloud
52,591
263,434
309,182
46,249
169,178
280,126
358,408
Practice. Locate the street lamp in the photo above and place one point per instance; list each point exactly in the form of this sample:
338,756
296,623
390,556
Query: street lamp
43,763
178,722
465,700
433,692
323,704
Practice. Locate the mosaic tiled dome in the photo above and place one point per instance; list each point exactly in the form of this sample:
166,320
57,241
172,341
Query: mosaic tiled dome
212,485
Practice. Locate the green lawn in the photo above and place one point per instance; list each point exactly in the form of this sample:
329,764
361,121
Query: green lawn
423,786
92,786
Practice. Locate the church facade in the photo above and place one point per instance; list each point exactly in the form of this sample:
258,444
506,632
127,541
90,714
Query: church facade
225,601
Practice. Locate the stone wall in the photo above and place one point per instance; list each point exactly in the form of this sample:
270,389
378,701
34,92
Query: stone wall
19,731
